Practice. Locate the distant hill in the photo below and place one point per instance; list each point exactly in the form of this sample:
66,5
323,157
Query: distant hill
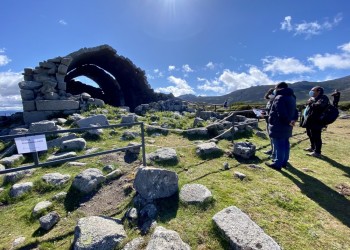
256,94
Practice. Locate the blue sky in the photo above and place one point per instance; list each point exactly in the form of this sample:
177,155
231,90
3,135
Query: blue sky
201,47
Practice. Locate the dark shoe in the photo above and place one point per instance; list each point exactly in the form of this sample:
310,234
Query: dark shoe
268,152
309,149
273,166
314,154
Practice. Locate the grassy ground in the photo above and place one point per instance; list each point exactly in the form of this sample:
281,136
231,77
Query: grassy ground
299,207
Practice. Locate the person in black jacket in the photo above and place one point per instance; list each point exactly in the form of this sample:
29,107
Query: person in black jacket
282,119
316,105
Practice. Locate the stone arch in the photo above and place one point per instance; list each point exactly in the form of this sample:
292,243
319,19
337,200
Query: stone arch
51,87
120,80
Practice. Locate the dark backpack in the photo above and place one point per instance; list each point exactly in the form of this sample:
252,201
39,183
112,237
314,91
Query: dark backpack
329,115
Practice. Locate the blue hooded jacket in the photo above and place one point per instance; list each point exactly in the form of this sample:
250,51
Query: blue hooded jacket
283,111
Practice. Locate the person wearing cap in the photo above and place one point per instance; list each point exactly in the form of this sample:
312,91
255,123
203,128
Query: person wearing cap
316,105
282,119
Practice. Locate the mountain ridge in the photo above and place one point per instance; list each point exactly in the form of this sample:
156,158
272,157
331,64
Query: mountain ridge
255,94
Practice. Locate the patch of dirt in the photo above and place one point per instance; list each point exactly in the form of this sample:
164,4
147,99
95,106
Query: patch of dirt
343,189
109,197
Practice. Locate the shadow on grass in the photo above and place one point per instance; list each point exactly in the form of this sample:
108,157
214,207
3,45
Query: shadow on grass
167,207
252,160
336,164
336,204
34,245
220,236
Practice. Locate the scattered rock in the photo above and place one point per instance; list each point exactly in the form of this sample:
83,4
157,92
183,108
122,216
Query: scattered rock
240,175
241,231
97,232
48,221
60,156
164,155
88,180
154,183
18,241
166,239
135,244
92,120
60,196
226,166
76,144
20,188
208,149
131,118
245,150
16,176
195,194
42,126
261,134
11,161
56,179
75,163
254,166
108,168
114,174
129,135
40,207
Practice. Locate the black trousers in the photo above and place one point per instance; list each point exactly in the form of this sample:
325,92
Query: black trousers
335,103
315,139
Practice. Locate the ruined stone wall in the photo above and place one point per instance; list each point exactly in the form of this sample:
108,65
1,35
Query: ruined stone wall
44,89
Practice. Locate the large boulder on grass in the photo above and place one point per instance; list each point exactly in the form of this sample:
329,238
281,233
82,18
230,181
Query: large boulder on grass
88,180
48,221
208,149
20,189
76,144
245,150
98,232
56,179
164,155
241,232
163,238
154,183
195,194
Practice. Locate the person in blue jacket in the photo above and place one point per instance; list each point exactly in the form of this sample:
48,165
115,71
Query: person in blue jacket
282,118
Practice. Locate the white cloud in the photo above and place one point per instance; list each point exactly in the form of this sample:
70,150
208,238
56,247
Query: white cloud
9,91
213,86
284,65
230,81
210,65
186,68
336,61
234,81
345,47
62,22
4,60
181,87
171,68
286,24
310,28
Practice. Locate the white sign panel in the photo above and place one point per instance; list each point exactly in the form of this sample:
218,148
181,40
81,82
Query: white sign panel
30,144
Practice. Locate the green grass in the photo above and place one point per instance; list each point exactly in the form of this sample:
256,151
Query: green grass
299,207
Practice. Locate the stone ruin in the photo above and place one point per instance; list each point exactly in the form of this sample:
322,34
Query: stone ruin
52,88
